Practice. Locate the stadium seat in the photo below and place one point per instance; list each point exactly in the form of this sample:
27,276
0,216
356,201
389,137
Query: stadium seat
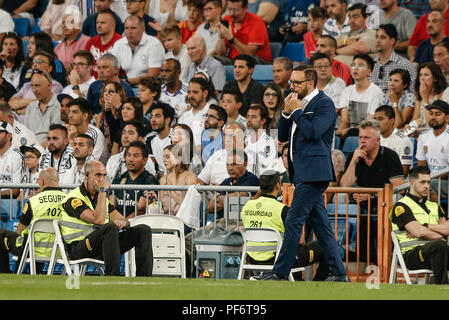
168,246
295,51
261,235
337,142
349,145
402,268
36,27
229,72
263,73
22,26
276,48
53,226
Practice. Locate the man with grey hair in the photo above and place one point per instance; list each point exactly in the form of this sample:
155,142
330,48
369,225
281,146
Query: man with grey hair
107,67
371,166
139,54
282,70
201,61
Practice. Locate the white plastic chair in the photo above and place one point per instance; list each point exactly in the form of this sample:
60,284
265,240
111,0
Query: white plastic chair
261,235
402,268
52,226
168,246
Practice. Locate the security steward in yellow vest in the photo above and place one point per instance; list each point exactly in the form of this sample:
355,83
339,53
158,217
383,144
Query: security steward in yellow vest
92,227
420,226
46,204
267,212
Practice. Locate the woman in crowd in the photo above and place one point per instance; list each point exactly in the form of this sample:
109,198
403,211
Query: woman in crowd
273,100
399,97
182,135
429,86
13,58
40,41
177,174
111,100
148,91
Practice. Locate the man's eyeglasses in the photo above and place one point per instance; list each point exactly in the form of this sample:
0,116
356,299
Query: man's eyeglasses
296,83
358,66
37,71
210,116
39,61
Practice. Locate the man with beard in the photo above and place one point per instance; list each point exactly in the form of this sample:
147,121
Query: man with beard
161,115
435,29
82,150
197,98
433,145
212,136
116,166
307,123
128,203
59,155
173,90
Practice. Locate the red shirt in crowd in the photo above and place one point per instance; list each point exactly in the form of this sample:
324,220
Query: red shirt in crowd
339,69
97,48
186,33
420,32
252,32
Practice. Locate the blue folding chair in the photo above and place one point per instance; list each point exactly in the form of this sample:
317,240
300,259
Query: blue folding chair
295,51
263,73
276,48
349,145
229,70
22,26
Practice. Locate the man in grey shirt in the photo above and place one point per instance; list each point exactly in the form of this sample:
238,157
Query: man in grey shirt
45,111
201,61
403,19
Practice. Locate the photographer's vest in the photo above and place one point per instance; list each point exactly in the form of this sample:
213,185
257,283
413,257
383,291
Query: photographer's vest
263,212
421,217
74,229
45,205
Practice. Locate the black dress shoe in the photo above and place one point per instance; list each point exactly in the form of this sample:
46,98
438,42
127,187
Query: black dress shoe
268,276
332,278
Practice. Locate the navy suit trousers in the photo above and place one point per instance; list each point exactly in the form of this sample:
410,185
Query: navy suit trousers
308,204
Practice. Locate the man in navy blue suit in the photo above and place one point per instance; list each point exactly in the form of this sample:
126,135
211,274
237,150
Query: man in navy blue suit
308,123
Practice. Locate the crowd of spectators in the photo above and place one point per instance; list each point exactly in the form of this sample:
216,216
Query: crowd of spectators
141,86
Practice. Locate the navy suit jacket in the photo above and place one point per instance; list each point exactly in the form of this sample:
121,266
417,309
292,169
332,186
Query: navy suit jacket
312,140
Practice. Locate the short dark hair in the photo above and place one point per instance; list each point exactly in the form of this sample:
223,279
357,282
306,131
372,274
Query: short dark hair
153,84
318,56
414,172
109,12
86,55
234,92
49,56
202,82
367,59
136,124
331,40
268,180
317,12
82,103
309,72
90,140
198,4
245,57
405,75
222,114
244,2
167,110
388,110
142,146
216,3
262,110
57,126
390,30
176,62
360,6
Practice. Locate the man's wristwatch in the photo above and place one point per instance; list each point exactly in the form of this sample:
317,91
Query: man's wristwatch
75,88
102,189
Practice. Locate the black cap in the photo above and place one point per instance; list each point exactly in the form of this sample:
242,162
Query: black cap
440,105
32,148
64,95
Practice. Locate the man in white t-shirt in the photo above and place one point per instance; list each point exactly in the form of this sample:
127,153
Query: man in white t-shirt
433,144
116,166
393,138
197,95
81,75
79,115
162,116
10,161
259,144
139,54
359,101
